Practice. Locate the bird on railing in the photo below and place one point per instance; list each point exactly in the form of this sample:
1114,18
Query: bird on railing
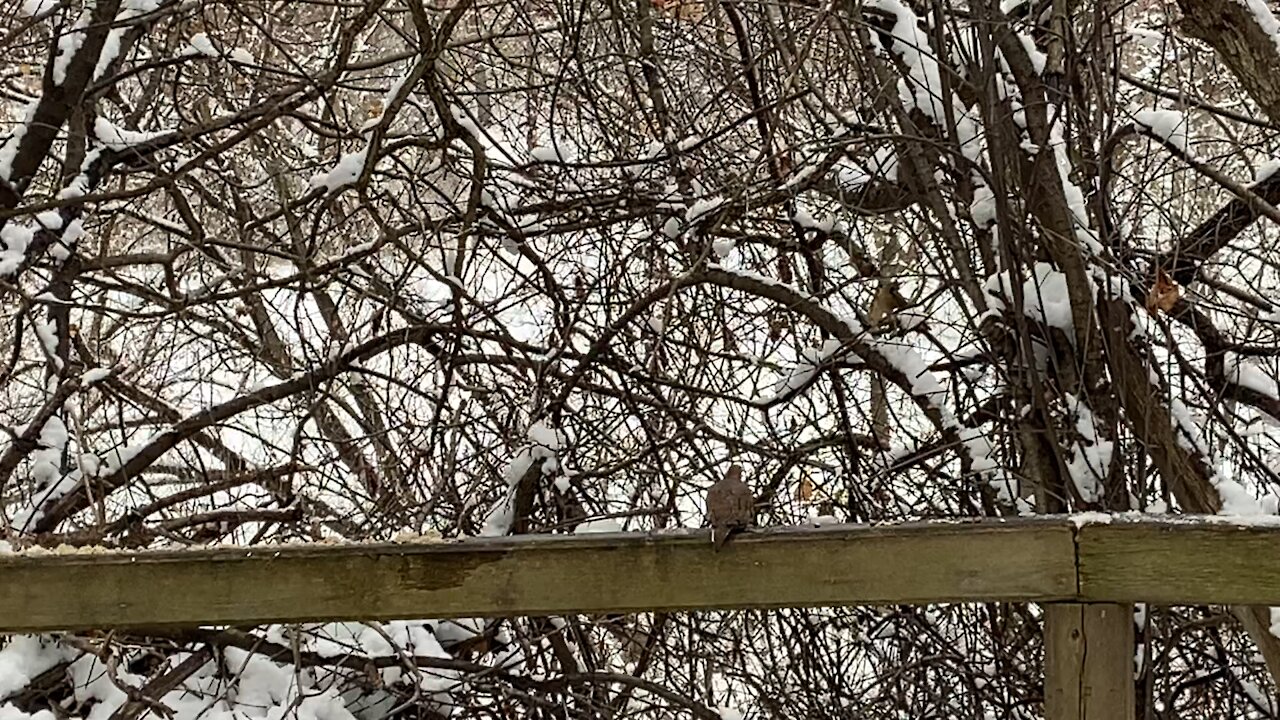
730,507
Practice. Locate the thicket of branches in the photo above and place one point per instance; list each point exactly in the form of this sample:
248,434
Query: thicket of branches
278,271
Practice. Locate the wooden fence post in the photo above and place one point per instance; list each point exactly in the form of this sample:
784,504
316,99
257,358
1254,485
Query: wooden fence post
1088,657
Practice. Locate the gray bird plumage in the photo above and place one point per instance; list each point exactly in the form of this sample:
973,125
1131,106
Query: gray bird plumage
730,506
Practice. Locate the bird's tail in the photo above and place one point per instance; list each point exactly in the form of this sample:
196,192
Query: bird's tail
719,536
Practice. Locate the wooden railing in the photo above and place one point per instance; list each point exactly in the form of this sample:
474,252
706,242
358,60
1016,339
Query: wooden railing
1086,569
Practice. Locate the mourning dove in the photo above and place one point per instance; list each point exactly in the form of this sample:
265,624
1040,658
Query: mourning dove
730,506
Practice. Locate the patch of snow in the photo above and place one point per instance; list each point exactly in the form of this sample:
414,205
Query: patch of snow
1266,20
603,525
9,148
118,138
68,45
1090,458
79,186
1168,125
1044,296
201,44
345,172
50,220
1246,374
558,152
1266,170
883,164
805,219
979,449
1144,37
94,375
1237,500
1038,58
983,207
904,358
921,88
1091,518
688,143
465,122
545,443
22,659
701,208
823,520
71,235
800,176
111,44
15,239
38,7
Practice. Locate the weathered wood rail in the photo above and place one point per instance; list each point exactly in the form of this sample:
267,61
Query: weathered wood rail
1087,568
